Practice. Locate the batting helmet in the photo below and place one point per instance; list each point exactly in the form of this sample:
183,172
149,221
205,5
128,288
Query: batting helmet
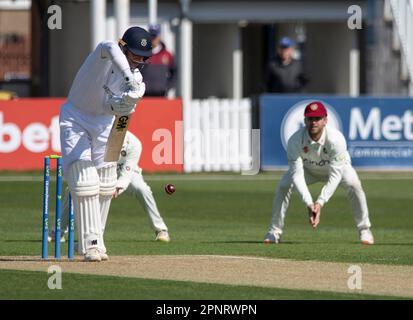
138,41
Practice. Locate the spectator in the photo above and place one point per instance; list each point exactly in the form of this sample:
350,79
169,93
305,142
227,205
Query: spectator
284,73
160,73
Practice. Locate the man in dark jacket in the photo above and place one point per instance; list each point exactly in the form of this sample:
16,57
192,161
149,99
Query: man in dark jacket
160,74
284,73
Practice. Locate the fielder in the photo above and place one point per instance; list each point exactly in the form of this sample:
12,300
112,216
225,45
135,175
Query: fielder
318,153
85,123
129,178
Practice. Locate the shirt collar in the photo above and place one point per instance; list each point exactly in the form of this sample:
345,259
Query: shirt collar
321,141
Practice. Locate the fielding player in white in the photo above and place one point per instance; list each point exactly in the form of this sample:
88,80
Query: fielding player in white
129,178
318,153
85,123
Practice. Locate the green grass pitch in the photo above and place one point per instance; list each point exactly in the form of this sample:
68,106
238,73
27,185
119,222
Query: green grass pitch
224,216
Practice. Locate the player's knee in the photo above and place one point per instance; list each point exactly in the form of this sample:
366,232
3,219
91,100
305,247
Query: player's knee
83,179
145,189
284,185
107,177
354,186
142,188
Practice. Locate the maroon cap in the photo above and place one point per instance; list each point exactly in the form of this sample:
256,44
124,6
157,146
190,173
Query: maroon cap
315,109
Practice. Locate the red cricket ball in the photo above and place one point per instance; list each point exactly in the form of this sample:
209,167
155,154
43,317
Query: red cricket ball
169,188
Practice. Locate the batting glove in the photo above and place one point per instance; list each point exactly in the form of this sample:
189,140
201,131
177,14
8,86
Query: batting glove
122,105
135,83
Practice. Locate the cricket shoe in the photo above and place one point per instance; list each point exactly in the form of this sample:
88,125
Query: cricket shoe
103,255
51,237
272,237
366,237
92,255
162,236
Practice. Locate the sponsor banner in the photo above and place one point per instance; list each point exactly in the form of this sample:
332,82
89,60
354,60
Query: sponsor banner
379,131
29,130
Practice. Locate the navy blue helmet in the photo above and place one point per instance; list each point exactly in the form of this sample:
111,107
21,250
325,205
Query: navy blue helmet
138,41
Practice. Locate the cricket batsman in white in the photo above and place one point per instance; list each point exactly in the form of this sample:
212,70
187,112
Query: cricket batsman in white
130,179
318,153
85,123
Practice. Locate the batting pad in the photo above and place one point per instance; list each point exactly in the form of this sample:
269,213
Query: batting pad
108,178
83,179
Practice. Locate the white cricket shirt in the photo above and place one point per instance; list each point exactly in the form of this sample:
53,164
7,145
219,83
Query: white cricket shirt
326,157
106,65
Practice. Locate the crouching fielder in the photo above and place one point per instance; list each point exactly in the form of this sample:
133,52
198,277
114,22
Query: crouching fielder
130,179
317,153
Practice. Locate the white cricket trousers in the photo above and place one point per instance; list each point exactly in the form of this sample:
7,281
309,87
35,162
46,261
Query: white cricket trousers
350,182
140,190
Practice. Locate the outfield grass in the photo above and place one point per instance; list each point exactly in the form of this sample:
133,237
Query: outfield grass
33,285
230,217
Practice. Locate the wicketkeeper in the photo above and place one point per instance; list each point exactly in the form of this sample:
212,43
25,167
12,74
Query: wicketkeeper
318,153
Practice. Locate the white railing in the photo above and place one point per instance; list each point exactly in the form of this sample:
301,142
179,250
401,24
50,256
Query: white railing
403,19
217,135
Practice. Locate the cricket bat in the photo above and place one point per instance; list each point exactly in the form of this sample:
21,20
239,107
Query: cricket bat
116,138
117,135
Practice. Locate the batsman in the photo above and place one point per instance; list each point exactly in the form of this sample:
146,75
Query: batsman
130,179
86,120
318,153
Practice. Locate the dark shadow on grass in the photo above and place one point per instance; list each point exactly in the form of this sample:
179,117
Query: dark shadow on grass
259,242
392,244
133,241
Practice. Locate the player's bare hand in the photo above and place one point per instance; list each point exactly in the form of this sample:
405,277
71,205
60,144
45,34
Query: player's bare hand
118,192
310,209
315,215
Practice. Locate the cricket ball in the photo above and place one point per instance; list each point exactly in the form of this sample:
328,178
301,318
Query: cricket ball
169,189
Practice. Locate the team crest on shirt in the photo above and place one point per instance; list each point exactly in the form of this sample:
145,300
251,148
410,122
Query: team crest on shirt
305,149
144,42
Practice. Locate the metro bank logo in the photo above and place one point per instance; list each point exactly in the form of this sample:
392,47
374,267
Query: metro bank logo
375,126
